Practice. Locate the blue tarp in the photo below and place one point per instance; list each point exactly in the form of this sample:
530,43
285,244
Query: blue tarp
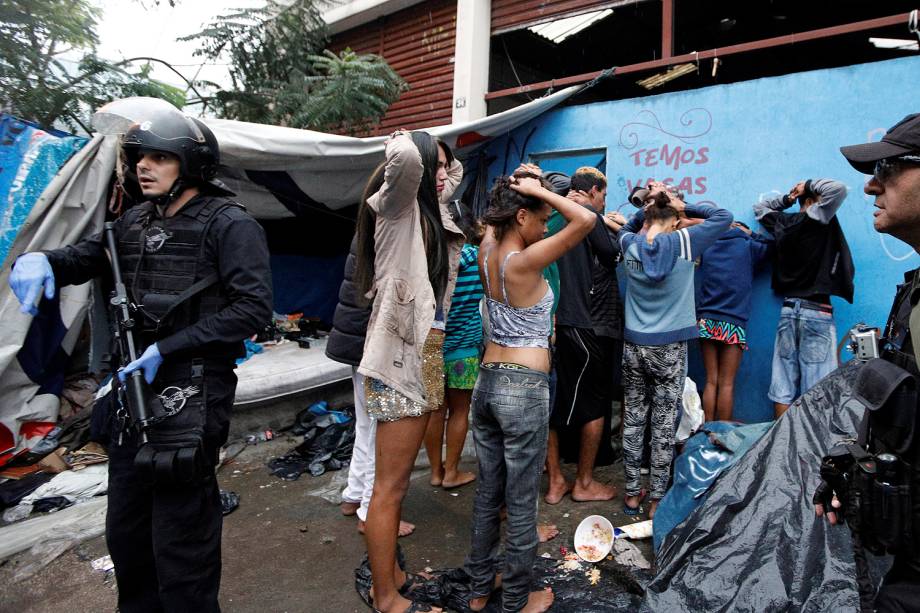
29,158
707,454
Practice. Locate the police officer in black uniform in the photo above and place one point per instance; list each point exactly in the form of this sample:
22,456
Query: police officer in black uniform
880,494
197,266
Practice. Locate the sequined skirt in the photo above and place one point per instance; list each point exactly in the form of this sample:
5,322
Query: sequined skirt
386,404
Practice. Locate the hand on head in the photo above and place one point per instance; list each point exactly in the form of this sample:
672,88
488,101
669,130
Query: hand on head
579,196
531,168
797,190
528,186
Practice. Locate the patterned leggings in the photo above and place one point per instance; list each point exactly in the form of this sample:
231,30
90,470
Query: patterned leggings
652,382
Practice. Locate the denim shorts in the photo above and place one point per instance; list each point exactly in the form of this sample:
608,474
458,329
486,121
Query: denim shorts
805,350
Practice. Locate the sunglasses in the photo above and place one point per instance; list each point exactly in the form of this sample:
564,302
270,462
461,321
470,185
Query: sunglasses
888,168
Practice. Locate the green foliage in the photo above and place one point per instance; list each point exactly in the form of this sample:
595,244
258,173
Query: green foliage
351,91
279,76
38,84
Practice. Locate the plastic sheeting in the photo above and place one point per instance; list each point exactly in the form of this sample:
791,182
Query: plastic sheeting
49,536
618,588
705,456
755,543
328,439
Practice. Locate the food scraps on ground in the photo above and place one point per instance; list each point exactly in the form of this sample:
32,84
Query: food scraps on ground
593,575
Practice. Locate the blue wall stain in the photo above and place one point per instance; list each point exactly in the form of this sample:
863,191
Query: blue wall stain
732,145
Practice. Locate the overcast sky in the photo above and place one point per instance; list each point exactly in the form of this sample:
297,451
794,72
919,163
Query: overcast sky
132,28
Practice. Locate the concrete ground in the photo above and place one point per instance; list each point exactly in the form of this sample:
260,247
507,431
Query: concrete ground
286,548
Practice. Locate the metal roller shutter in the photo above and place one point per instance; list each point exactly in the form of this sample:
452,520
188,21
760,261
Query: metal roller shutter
418,43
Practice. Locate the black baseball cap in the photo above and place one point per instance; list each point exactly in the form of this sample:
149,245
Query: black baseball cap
903,137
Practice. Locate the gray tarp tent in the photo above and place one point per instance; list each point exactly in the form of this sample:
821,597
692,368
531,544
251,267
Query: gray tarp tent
329,171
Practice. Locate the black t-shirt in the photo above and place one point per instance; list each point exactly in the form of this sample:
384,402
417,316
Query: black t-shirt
576,275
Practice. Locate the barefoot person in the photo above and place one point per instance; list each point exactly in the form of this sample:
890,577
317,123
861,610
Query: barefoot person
408,248
462,344
727,271
660,319
510,403
584,358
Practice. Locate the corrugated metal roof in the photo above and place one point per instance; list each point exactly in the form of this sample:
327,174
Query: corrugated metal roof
509,15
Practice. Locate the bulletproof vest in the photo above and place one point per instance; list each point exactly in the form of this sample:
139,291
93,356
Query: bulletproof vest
164,266
889,497
898,341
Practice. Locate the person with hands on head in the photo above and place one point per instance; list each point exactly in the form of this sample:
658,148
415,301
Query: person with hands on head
195,264
727,273
408,251
510,405
893,167
811,262
587,345
660,319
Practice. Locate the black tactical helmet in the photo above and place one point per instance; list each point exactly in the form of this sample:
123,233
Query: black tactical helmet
185,137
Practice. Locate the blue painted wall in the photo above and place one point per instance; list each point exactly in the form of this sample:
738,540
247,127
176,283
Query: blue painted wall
730,145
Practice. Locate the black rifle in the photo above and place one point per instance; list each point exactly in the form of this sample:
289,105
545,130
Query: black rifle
144,407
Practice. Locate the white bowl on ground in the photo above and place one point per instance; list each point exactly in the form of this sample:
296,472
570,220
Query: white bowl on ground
593,538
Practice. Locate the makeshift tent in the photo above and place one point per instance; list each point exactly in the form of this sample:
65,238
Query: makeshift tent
755,544
298,183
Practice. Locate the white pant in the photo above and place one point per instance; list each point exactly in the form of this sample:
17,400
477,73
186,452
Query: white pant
361,470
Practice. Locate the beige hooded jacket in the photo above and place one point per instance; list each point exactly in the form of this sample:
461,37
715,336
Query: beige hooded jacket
404,301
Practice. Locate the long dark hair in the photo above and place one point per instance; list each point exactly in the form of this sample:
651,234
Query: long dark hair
463,216
504,203
430,209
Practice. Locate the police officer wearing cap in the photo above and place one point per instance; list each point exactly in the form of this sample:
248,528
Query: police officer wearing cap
883,510
196,265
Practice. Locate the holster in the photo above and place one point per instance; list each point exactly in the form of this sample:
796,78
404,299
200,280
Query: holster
881,500
174,452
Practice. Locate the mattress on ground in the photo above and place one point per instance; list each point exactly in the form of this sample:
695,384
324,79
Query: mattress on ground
286,369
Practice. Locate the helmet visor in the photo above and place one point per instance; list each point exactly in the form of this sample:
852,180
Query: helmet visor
152,115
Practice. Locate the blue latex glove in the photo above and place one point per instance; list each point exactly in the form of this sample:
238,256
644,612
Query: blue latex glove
149,362
30,274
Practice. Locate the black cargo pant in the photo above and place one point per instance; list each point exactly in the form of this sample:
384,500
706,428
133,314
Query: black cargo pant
165,540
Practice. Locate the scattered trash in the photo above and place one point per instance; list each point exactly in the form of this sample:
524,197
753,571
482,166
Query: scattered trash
691,417
54,462
252,348
49,536
88,455
575,592
565,514
52,503
229,501
260,437
74,485
104,564
593,538
571,562
49,443
331,491
627,554
14,490
454,494
328,438
228,453
638,531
